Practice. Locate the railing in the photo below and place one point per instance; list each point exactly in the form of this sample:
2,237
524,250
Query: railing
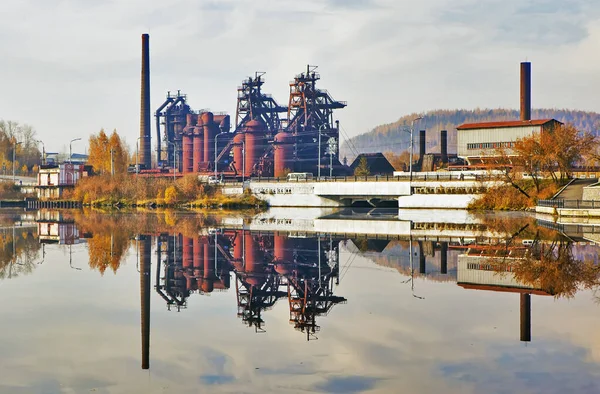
570,228
385,178
574,204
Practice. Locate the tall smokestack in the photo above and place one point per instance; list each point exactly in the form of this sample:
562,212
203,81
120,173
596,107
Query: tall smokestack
422,267
422,146
444,146
145,245
525,91
525,317
145,151
444,258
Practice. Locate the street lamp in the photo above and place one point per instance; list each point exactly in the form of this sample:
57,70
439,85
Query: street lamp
43,151
14,158
412,127
71,147
174,157
319,154
216,137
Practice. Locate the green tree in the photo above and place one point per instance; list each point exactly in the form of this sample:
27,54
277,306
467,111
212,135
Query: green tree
363,167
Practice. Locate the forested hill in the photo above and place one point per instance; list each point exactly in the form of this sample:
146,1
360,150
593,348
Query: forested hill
393,137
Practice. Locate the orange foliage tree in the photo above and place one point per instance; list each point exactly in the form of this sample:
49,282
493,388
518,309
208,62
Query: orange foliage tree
555,152
101,147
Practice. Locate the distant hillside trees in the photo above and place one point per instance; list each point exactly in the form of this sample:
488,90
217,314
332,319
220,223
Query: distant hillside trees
393,137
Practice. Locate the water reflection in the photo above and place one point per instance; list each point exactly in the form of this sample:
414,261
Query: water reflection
286,258
266,267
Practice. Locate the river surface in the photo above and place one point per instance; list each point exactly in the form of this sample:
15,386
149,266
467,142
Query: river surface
292,301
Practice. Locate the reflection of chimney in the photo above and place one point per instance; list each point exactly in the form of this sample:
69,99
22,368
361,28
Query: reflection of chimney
444,146
525,317
145,256
145,151
444,258
525,91
421,258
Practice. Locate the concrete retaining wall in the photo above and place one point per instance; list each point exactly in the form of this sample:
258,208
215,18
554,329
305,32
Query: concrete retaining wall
592,192
437,201
573,212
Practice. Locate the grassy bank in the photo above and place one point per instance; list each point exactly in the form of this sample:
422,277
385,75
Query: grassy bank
132,191
508,197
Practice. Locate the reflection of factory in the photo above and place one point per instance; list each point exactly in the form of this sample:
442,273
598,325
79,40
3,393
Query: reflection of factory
267,267
479,269
262,143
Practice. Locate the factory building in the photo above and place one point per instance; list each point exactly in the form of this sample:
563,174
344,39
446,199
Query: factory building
480,142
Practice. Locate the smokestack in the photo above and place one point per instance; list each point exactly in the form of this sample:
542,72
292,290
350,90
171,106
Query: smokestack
444,258
444,146
421,146
525,317
525,91
145,245
422,268
145,151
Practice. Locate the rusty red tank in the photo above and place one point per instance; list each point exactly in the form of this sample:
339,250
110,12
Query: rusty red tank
254,139
284,154
188,148
209,135
253,259
188,252
198,145
209,268
238,154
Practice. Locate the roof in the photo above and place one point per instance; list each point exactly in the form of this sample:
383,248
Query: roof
503,289
509,123
377,163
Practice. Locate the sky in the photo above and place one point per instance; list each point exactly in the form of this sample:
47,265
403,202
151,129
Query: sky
72,67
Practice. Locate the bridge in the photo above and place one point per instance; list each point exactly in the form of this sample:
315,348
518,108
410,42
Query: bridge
435,191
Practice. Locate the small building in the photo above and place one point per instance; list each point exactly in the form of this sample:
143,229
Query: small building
54,179
478,142
376,162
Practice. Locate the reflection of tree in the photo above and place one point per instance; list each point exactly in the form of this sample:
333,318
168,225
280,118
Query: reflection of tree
106,250
19,250
553,268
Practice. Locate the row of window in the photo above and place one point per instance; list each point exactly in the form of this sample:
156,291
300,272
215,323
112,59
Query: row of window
486,267
491,145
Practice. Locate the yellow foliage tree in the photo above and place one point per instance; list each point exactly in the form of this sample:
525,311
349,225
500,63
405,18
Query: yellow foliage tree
120,153
170,195
99,153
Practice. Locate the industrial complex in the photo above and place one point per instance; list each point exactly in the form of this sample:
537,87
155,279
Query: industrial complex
267,139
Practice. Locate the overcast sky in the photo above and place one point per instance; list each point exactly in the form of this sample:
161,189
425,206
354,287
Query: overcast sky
72,67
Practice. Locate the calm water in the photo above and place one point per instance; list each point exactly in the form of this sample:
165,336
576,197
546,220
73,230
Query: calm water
297,301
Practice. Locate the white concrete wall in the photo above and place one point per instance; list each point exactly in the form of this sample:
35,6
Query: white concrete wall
437,201
343,226
374,189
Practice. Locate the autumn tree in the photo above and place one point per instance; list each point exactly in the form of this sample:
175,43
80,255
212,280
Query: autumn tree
362,169
100,155
554,152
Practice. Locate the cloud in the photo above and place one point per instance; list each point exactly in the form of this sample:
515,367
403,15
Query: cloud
386,58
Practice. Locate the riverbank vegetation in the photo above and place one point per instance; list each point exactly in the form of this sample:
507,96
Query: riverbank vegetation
130,190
